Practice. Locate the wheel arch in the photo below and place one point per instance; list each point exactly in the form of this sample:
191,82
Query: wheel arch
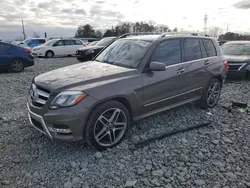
122,99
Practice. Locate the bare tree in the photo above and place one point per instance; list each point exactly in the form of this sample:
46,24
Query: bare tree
215,31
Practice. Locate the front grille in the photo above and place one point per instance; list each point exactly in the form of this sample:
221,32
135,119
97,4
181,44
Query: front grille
37,124
235,66
38,95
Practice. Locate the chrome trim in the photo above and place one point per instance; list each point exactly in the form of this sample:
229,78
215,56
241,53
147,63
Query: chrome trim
172,97
40,119
166,108
187,62
242,66
42,93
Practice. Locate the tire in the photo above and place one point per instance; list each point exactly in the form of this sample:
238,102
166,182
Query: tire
100,127
49,54
204,101
16,65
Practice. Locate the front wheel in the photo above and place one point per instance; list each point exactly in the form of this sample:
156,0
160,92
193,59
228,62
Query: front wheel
107,125
211,94
49,54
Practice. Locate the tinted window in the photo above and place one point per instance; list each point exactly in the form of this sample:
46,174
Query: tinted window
69,42
168,52
124,52
105,41
203,50
3,47
59,43
192,49
78,42
42,41
236,49
209,47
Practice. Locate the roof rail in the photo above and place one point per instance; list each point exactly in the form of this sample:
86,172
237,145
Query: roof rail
184,33
140,33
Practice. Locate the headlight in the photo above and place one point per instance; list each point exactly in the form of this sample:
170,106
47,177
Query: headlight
67,98
87,52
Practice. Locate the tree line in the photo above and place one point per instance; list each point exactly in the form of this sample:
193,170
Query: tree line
233,36
88,31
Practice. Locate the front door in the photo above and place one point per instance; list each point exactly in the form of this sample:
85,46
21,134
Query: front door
59,48
161,89
69,47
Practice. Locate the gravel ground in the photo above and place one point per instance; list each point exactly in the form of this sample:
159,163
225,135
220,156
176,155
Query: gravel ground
215,156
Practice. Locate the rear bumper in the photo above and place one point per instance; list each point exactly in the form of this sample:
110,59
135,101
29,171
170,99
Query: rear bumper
29,62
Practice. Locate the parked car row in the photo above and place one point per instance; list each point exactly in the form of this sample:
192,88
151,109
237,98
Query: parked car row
131,78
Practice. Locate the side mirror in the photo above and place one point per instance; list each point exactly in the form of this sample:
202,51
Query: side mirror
157,66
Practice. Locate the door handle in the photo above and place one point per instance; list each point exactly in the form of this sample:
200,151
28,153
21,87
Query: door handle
180,70
207,62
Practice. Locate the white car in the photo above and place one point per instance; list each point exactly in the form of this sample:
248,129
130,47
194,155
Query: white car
58,47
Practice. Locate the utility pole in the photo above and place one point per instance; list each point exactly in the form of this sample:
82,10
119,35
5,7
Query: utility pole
227,28
205,24
24,35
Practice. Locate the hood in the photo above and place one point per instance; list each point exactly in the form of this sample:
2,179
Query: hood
237,59
82,76
91,48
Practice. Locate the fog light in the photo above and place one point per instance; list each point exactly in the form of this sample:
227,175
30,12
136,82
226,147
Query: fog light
59,130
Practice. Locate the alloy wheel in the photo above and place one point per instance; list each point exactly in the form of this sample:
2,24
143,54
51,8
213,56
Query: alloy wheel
110,127
17,65
213,94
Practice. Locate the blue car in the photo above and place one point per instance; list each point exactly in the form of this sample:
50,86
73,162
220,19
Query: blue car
15,58
33,42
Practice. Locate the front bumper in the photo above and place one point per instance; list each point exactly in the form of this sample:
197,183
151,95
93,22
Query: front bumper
65,124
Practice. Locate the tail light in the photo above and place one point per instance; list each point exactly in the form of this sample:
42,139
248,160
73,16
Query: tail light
84,45
226,65
28,51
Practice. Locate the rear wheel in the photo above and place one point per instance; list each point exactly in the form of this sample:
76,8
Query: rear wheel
17,65
49,54
107,125
211,94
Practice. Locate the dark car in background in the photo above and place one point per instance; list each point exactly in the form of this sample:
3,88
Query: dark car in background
89,52
237,53
92,43
15,58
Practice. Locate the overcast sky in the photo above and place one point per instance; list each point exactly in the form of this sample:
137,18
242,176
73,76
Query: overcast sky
61,17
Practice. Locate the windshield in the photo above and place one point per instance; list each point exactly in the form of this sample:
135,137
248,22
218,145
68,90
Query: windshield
50,42
236,49
104,42
124,52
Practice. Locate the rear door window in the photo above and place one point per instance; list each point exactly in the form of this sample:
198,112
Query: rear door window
168,52
203,50
209,45
69,42
192,50
42,41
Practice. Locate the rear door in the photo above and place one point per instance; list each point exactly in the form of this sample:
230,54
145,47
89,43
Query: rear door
163,88
195,57
78,44
5,55
69,47
59,48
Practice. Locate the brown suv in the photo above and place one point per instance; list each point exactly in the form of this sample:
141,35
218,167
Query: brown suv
132,78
